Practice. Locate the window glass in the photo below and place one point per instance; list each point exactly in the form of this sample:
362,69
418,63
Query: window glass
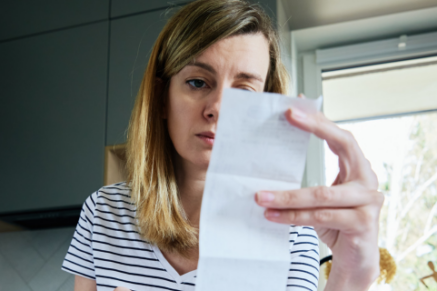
402,150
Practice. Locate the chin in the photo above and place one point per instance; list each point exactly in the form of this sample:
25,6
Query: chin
203,163
202,160
199,158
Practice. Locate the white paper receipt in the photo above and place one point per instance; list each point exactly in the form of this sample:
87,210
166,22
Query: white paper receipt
255,149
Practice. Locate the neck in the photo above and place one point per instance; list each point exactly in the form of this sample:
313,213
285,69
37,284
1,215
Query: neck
191,182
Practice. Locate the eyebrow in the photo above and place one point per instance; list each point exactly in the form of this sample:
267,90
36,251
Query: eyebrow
249,76
203,66
241,75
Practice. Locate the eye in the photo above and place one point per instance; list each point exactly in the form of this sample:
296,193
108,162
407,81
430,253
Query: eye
245,88
196,83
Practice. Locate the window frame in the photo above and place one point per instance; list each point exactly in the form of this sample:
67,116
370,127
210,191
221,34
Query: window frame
307,68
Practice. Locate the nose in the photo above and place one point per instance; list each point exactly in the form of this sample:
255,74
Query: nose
212,108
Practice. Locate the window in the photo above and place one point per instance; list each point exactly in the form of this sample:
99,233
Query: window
391,109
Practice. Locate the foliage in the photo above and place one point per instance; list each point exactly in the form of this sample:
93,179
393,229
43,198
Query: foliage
408,221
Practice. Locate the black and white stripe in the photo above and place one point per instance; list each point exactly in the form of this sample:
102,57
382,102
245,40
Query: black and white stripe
107,247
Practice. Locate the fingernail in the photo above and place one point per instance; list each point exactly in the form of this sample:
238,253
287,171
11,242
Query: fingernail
265,196
297,114
272,213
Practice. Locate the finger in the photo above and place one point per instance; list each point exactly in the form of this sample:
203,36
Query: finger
339,140
345,220
301,96
345,195
337,180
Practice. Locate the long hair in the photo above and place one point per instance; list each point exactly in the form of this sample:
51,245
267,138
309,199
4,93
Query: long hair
151,177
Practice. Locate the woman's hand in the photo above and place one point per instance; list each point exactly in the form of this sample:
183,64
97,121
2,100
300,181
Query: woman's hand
344,215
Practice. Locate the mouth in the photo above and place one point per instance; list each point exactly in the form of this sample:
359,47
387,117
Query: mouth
207,137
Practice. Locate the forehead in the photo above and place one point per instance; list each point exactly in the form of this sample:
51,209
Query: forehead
240,52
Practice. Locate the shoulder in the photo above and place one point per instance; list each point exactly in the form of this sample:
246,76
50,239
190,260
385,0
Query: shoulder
114,199
115,191
106,231
113,213
119,192
110,202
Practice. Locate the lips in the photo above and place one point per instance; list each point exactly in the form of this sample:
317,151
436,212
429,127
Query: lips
208,134
207,137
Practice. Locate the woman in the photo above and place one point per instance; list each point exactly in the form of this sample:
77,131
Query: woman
143,234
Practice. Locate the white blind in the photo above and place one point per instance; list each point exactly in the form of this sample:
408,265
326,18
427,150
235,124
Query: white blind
389,48
381,90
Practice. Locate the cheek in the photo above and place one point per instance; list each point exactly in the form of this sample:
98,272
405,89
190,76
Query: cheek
181,119
175,120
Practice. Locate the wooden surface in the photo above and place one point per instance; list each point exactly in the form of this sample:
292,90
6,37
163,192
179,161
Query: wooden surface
115,163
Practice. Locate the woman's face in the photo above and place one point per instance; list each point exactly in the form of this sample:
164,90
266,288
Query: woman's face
195,93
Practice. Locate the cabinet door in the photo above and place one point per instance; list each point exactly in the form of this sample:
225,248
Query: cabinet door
123,7
132,39
19,18
52,118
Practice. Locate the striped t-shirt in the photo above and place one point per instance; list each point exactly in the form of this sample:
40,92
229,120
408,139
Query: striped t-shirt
107,247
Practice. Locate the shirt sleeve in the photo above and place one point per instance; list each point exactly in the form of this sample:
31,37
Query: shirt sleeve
304,266
79,259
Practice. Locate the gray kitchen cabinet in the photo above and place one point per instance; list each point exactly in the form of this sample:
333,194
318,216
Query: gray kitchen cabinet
123,7
270,7
131,41
23,17
52,118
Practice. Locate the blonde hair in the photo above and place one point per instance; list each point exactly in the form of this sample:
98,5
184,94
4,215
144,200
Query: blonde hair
151,177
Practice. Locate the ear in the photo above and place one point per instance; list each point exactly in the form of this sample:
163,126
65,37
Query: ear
159,88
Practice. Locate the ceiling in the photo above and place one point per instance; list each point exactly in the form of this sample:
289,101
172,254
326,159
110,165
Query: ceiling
309,13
